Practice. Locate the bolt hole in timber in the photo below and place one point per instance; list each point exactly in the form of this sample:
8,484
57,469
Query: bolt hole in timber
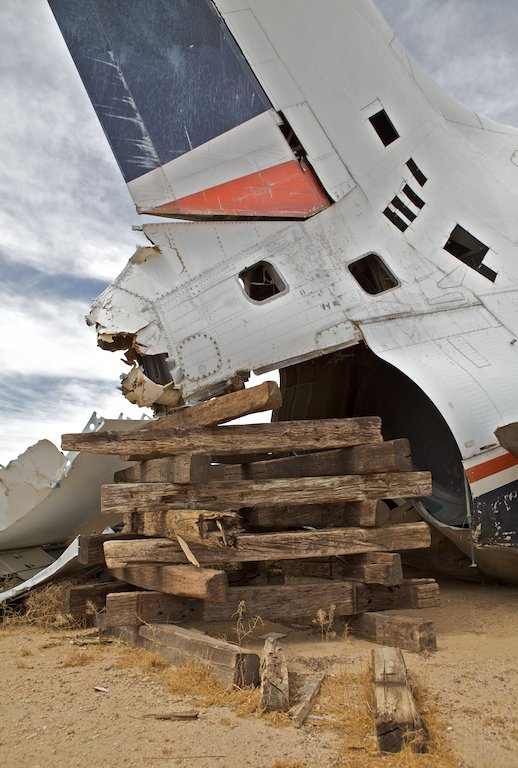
356,231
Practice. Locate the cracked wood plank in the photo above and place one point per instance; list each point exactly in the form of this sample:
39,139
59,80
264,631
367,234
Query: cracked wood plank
235,439
274,546
125,498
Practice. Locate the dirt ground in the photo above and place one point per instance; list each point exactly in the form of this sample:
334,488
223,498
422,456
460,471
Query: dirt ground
52,713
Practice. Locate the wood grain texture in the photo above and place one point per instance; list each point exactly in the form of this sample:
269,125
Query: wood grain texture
390,456
77,598
405,632
240,438
233,665
218,410
183,580
140,497
275,546
366,513
369,568
171,469
306,698
272,602
274,689
397,719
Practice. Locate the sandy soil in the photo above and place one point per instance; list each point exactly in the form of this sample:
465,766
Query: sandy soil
52,714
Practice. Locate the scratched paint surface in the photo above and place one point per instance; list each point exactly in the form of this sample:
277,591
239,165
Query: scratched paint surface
495,519
164,76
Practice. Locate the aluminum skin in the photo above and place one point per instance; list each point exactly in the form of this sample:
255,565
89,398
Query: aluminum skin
410,179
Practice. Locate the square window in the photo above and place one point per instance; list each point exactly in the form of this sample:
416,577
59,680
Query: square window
261,281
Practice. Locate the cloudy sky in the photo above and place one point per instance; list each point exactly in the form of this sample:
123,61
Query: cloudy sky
66,216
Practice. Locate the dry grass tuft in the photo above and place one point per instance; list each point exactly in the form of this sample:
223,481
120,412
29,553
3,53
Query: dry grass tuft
203,685
147,661
289,764
345,701
79,659
324,620
192,680
42,608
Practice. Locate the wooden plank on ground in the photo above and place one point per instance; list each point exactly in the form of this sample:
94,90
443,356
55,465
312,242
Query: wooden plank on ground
405,632
125,498
390,456
368,513
183,580
274,689
240,438
77,598
232,664
396,716
369,568
274,546
185,468
306,698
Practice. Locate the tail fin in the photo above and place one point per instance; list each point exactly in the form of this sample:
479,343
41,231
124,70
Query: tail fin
191,128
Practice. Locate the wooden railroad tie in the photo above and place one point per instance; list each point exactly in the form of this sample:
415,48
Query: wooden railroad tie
207,506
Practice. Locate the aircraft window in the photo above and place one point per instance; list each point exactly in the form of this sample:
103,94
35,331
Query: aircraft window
383,126
372,274
261,281
415,199
465,247
395,219
417,172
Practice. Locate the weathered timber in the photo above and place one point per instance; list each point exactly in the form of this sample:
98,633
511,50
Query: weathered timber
196,526
146,607
142,497
398,631
369,568
263,397
274,689
306,698
273,602
396,716
392,456
368,513
185,468
183,580
411,593
91,546
275,546
239,438
78,599
231,664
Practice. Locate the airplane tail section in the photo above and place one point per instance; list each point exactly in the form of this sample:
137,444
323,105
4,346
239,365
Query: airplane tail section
192,130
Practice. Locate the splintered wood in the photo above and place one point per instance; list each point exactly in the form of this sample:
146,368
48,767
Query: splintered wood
397,719
208,505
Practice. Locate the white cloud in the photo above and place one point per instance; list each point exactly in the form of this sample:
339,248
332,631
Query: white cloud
467,46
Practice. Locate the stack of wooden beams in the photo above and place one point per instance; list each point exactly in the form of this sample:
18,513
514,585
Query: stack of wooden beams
210,508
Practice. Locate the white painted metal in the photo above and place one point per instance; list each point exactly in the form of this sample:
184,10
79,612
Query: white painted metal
48,498
450,329
62,563
253,146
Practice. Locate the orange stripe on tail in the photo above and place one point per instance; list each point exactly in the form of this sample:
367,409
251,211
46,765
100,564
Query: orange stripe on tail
288,190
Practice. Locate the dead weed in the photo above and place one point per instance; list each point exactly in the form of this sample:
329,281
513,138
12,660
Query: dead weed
345,702
42,608
79,658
